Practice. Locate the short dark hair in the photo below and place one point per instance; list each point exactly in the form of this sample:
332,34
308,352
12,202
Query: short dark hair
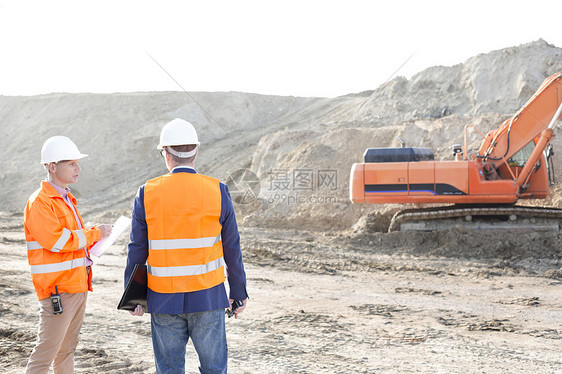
182,148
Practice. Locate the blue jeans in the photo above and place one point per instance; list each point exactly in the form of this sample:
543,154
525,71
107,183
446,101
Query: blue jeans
171,332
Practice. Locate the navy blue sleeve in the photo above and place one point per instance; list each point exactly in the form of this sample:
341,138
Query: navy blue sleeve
231,247
137,250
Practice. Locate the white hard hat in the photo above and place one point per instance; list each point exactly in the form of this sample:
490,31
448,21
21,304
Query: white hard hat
59,148
178,132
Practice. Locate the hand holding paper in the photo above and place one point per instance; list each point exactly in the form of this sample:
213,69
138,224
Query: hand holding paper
118,227
105,230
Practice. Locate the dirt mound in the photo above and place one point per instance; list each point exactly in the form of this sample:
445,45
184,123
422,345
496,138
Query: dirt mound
300,150
496,82
430,110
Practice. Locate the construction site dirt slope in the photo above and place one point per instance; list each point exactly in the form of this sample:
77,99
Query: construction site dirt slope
298,150
331,290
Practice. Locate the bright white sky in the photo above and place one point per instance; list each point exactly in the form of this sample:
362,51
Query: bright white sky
290,47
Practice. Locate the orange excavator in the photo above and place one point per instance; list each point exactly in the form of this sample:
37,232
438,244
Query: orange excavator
513,162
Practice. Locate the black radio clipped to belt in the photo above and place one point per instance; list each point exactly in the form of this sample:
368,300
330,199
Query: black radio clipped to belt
56,302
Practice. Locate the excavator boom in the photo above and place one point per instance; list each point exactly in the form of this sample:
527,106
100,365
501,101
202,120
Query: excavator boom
528,123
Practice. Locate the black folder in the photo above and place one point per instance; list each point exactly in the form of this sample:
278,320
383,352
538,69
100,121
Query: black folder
135,292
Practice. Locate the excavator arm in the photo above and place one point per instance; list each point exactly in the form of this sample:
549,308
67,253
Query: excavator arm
527,124
540,146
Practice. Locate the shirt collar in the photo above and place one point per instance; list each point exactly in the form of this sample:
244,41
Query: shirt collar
183,168
62,191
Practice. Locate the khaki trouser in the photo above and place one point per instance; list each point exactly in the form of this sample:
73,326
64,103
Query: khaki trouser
57,337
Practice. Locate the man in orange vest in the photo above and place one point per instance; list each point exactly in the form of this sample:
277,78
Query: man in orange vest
58,252
184,229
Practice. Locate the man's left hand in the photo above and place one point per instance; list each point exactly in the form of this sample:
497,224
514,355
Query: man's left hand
240,309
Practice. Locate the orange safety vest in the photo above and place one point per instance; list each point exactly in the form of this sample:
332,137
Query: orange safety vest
184,233
56,247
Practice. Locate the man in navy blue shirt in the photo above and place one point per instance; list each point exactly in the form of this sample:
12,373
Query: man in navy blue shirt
184,228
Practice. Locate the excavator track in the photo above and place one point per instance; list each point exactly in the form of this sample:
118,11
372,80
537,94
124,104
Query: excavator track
478,218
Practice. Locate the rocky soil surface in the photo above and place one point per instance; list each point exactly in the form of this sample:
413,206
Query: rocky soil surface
333,303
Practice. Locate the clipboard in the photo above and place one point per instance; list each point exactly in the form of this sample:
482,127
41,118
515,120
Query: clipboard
103,244
135,292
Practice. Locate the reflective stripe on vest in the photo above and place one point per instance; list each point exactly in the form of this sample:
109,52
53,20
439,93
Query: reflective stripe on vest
183,243
62,240
182,271
33,245
61,266
82,241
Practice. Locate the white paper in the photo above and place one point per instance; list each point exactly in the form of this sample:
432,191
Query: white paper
103,244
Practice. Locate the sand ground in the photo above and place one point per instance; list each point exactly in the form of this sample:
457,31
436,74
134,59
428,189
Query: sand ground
325,303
